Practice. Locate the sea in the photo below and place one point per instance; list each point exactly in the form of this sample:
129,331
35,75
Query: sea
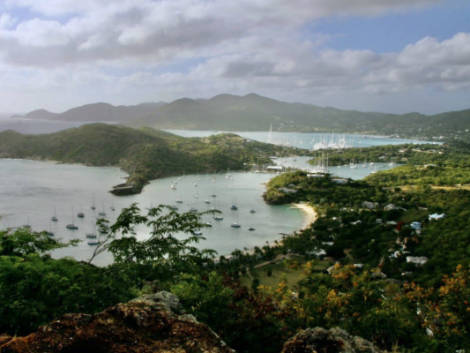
32,192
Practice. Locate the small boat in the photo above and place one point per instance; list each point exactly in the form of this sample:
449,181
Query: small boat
251,229
93,207
207,202
207,224
173,187
213,195
235,225
90,236
197,232
102,214
113,209
93,242
54,217
252,211
193,210
218,218
49,234
80,215
71,226
234,208
179,201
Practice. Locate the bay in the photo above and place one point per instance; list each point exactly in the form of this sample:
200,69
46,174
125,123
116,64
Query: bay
31,192
310,141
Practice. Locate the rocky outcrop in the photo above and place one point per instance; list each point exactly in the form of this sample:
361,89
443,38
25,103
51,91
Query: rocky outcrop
152,323
335,340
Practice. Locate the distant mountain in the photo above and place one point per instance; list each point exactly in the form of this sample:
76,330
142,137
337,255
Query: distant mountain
103,112
253,112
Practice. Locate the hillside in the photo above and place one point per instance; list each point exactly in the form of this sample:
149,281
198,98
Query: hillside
145,154
96,112
253,112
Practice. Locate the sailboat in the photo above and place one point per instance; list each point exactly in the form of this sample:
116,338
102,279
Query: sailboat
93,207
27,225
54,217
72,226
235,224
102,213
270,134
50,233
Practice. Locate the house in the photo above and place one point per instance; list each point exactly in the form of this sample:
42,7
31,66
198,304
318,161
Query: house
275,168
417,260
369,205
317,252
340,181
416,225
436,216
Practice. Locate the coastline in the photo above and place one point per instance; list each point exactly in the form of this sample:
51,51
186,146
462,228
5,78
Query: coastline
310,213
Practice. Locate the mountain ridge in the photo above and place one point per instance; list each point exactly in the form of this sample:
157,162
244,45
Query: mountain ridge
253,112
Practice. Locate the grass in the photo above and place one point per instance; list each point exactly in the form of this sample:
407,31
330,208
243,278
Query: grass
291,271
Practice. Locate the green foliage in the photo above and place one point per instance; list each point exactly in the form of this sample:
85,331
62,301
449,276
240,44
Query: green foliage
34,290
206,297
162,248
23,242
145,154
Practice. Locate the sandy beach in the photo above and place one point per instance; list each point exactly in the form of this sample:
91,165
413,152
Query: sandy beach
310,213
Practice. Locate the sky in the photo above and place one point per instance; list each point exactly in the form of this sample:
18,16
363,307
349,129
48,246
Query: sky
372,55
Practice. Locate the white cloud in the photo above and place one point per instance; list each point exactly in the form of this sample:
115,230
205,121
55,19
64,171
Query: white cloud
137,50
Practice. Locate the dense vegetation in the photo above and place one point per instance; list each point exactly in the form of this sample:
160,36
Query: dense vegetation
351,268
145,154
436,165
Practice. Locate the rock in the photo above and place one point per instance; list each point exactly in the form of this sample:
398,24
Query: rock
149,324
334,340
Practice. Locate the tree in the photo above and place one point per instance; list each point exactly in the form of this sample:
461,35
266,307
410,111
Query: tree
162,247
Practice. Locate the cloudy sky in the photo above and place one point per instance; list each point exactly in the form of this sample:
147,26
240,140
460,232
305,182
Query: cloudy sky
381,55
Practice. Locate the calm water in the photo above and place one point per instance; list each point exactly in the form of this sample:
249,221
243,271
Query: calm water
295,139
30,126
309,141
356,172
31,192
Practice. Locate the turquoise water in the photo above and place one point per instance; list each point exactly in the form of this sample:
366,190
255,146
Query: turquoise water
31,192
309,141
356,172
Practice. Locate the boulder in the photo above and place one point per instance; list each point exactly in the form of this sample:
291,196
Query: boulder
152,323
334,340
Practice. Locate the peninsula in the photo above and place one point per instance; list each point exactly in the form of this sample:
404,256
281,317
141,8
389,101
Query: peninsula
145,154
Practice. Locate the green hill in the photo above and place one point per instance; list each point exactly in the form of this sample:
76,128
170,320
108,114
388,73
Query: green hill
145,154
253,112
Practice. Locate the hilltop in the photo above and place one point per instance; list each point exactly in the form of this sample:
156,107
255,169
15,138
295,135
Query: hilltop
145,154
253,112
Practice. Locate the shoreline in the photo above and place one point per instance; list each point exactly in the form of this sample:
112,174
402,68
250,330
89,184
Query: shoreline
310,214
